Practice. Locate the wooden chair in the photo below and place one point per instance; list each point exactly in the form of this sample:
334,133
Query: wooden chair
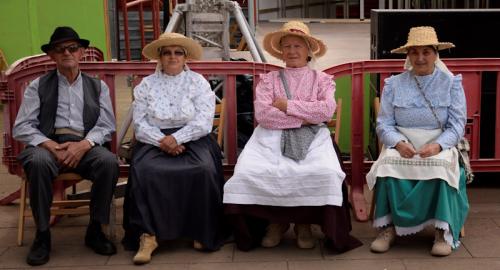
60,206
218,124
376,109
334,123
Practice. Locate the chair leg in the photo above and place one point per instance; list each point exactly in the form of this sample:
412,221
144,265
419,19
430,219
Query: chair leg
59,194
22,209
462,232
112,220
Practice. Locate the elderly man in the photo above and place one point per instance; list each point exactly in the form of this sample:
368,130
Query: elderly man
64,120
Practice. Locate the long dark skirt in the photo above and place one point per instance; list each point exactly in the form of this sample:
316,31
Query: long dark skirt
249,222
175,197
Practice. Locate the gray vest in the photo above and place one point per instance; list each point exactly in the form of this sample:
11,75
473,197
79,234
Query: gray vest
48,91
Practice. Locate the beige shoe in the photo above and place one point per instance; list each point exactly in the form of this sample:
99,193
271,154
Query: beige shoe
274,234
304,236
440,247
197,245
147,246
384,240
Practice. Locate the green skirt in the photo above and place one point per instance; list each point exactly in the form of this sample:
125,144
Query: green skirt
410,205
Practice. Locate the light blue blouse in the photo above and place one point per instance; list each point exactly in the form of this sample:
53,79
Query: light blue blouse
162,101
402,105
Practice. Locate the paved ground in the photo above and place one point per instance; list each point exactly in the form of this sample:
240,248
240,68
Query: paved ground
480,249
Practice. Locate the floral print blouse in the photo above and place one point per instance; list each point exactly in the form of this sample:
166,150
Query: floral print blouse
183,101
403,105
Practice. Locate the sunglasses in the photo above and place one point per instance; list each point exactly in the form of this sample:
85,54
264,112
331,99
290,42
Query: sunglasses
71,48
169,53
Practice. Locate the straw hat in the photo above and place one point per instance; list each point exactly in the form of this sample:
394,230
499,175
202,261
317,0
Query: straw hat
295,28
193,48
423,36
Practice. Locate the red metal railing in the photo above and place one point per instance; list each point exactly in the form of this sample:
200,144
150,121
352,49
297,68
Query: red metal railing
471,69
140,6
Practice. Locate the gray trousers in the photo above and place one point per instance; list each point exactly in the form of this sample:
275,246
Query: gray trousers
98,165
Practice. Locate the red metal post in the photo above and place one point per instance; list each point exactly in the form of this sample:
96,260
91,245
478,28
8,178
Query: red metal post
357,153
141,28
156,18
125,29
497,124
231,121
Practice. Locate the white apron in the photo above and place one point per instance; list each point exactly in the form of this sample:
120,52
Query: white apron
263,176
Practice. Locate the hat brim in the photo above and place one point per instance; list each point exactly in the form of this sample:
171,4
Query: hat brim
440,46
272,45
193,48
47,47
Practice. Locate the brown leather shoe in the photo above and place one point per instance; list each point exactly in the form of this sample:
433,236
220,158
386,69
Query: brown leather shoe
147,246
440,247
384,240
274,234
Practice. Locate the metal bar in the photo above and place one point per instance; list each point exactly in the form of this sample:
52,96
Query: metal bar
188,20
211,42
252,11
176,19
381,4
136,2
258,56
225,36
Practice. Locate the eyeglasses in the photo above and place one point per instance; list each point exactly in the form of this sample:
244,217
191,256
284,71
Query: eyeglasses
169,53
71,48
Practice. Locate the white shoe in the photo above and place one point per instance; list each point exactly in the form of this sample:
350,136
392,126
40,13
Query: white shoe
274,234
440,247
197,245
384,240
304,236
147,246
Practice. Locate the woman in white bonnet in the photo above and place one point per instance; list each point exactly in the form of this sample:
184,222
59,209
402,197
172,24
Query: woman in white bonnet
417,178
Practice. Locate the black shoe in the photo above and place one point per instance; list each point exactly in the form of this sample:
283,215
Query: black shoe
40,250
97,241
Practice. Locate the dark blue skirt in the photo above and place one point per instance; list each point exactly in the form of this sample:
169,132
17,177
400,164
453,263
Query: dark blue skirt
175,197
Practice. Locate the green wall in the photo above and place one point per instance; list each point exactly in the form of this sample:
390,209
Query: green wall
343,90
25,25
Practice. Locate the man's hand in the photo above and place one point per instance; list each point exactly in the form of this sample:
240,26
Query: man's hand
429,150
55,149
405,149
73,152
168,144
281,104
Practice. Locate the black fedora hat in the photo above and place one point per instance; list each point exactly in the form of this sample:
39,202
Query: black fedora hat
61,34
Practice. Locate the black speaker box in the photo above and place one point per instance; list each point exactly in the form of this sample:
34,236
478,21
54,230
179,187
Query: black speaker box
473,31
